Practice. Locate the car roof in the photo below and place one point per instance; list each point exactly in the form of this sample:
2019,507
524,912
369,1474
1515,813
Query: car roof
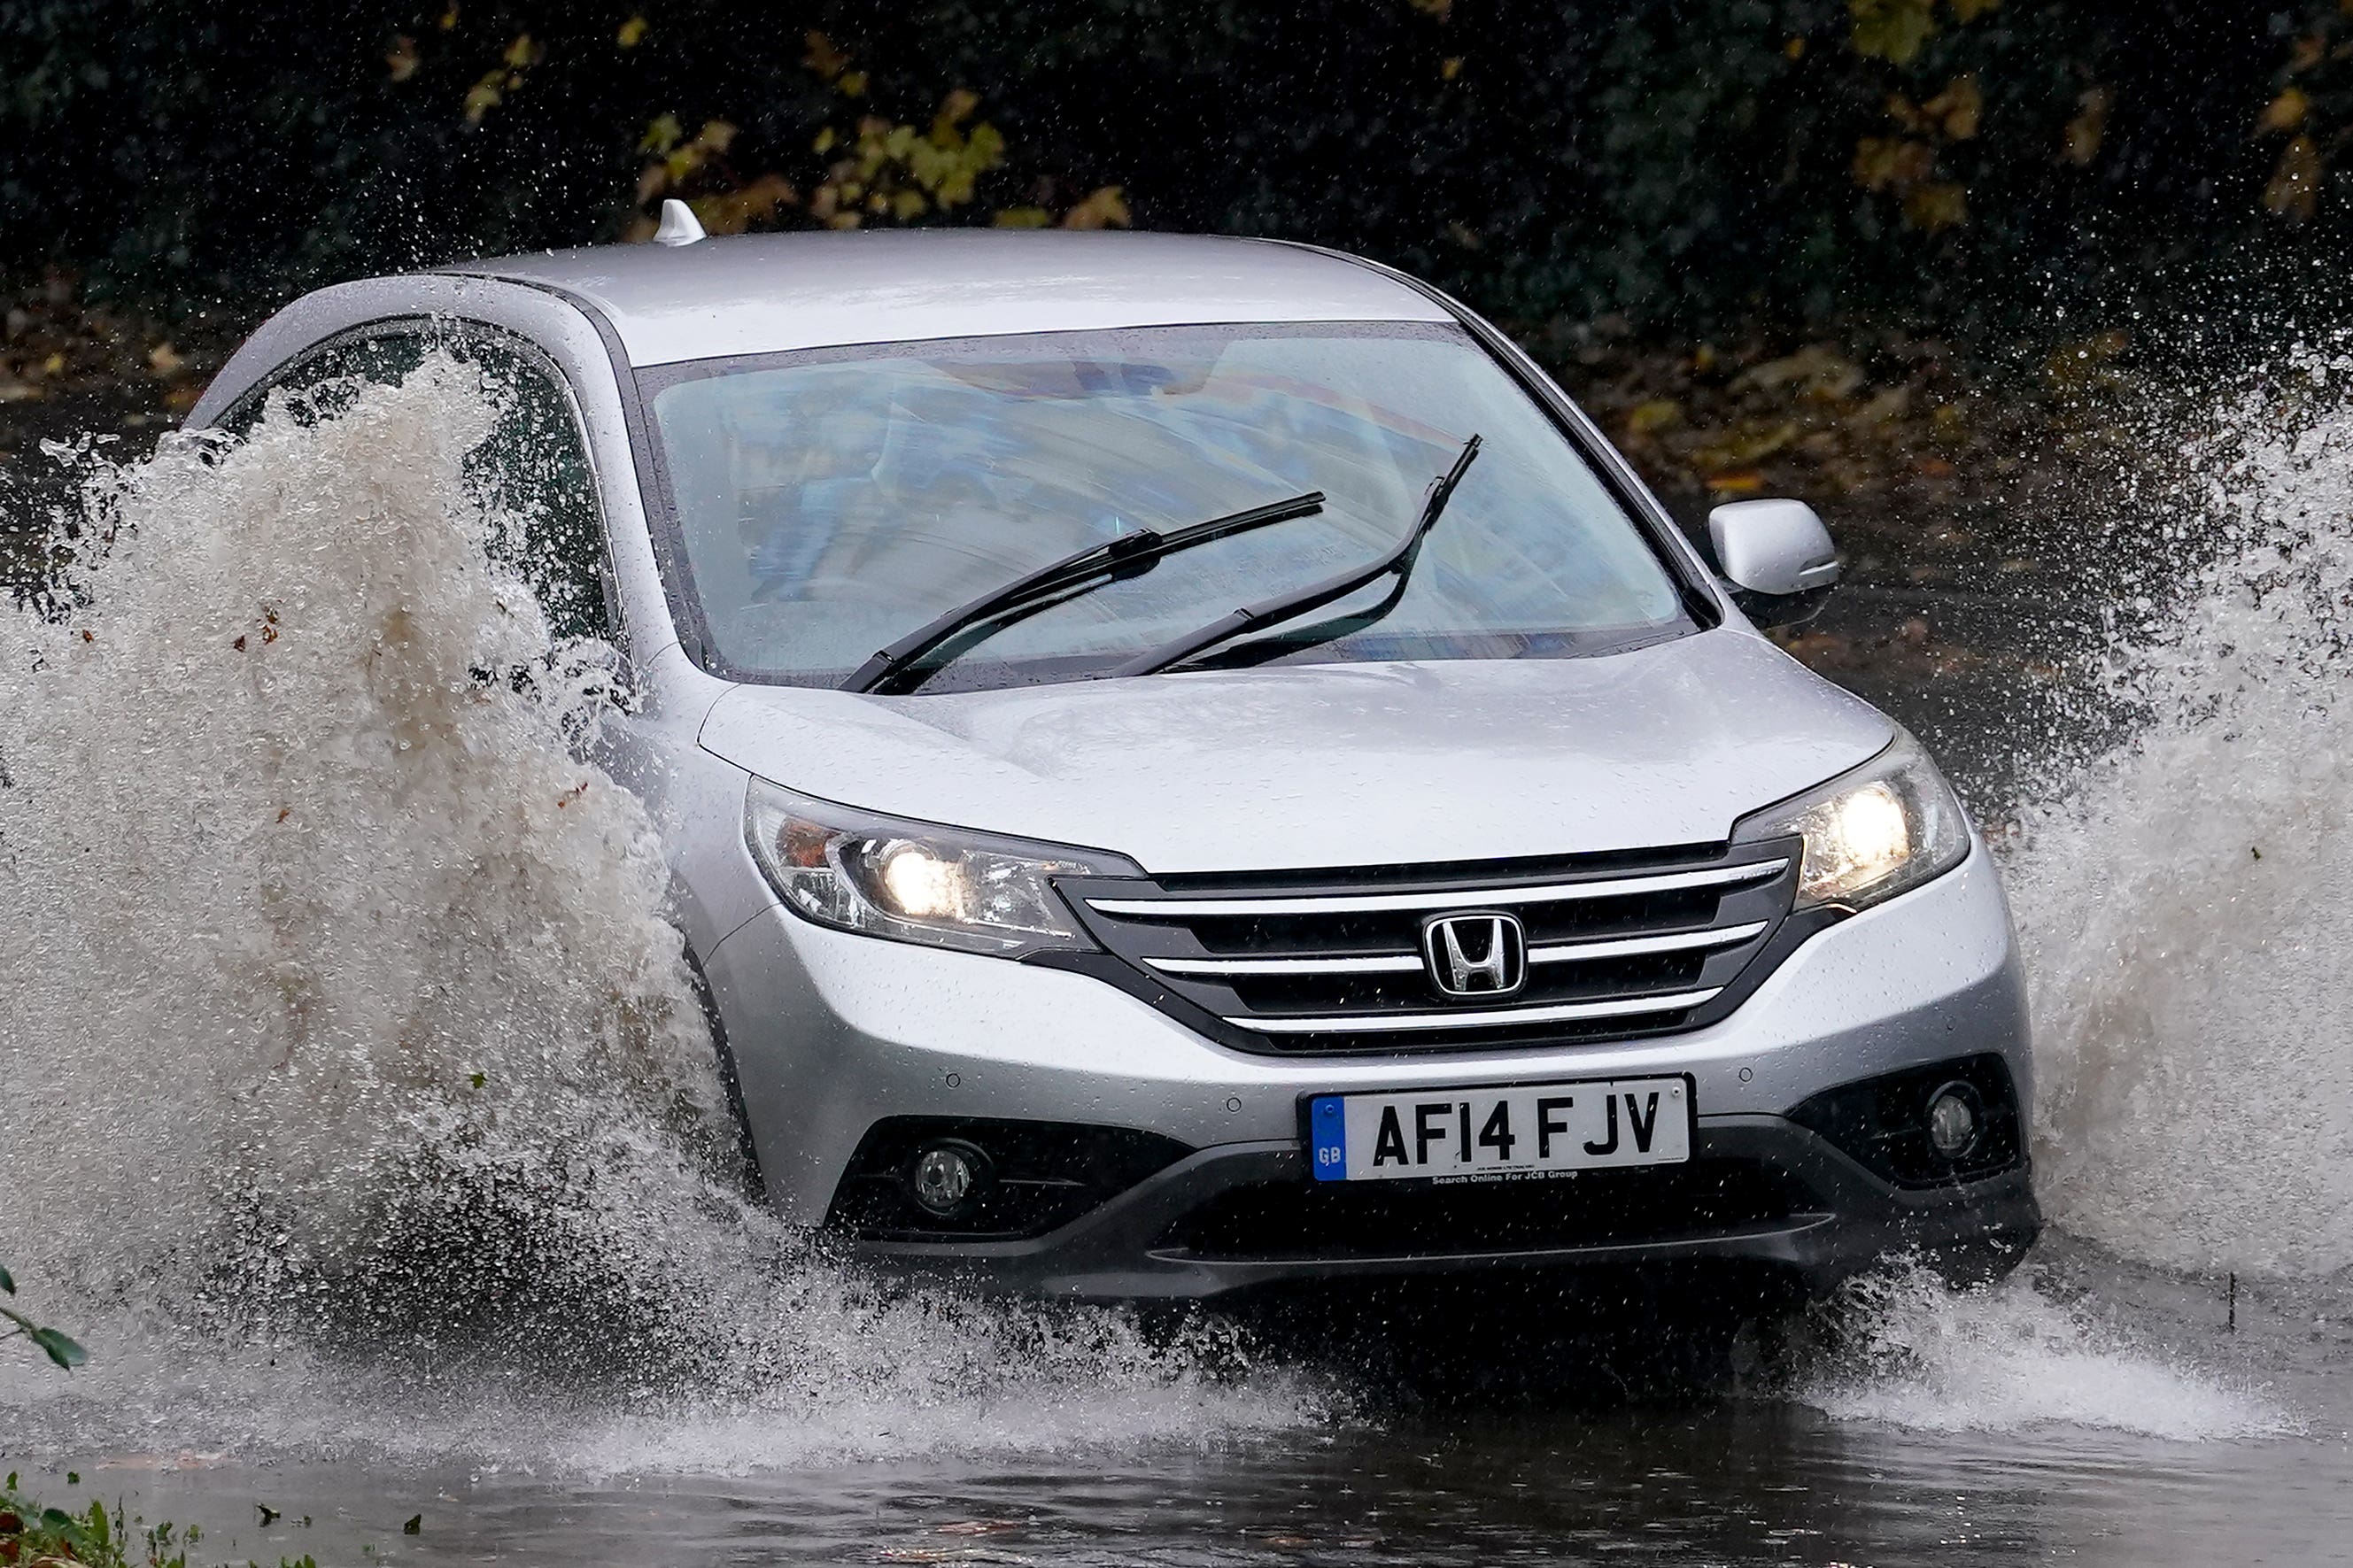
765,293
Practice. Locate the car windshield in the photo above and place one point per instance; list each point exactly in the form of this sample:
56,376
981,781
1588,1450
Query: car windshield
829,501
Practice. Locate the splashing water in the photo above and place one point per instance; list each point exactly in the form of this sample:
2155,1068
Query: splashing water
2005,1358
348,1048
2183,904
373,1099
2184,901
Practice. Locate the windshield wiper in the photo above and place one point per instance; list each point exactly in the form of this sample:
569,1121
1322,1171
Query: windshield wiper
1110,562
1274,611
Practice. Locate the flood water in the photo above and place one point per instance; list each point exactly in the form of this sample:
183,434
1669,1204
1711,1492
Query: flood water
2022,1440
357,1120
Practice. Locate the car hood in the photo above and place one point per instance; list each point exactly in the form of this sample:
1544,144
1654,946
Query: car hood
1326,765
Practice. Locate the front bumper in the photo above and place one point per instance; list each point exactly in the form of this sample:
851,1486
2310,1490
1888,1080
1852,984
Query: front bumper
1843,1220
831,1033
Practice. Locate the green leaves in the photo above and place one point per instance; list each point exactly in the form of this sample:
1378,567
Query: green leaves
51,1343
95,1537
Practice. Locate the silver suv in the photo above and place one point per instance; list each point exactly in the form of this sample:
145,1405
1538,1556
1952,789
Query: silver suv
1189,764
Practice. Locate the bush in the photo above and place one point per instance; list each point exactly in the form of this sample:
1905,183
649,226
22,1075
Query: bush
1683,160
42,1537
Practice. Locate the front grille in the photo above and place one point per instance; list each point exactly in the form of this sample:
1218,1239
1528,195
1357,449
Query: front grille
1325,963
1278,1221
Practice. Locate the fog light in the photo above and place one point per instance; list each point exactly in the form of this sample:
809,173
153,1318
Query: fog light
943,1175
1953,1120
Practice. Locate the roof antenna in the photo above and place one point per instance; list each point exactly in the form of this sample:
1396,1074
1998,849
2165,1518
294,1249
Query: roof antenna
679,225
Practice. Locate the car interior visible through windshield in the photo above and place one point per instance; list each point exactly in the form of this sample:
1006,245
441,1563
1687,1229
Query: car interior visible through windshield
827,502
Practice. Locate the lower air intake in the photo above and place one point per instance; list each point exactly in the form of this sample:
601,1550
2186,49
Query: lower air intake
1283,1221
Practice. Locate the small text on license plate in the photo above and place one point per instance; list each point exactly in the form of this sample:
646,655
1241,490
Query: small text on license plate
1499,1132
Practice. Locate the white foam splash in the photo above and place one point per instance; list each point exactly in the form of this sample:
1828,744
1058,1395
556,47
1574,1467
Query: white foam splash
356,1099
356,1095
1917,1353
2186,906
2187,903
287,892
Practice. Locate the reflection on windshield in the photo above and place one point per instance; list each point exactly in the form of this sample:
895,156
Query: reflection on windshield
830,502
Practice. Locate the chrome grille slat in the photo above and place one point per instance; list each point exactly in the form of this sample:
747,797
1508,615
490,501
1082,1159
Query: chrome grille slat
1367,963
1443,898
1560,1012
1637,946
1410,963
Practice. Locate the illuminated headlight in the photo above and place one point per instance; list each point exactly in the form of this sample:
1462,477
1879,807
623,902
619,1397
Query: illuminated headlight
1887,827
915,882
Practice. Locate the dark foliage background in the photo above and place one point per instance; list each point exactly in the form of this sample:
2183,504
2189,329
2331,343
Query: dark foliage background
1686,163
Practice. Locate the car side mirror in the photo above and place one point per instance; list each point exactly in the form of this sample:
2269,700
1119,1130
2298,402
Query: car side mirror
1777,557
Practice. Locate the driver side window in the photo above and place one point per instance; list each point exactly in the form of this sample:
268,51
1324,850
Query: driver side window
533,473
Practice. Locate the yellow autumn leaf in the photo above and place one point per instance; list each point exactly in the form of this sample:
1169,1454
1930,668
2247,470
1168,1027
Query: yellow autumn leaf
2285,113
2293,190
522,52
1104,208
2087,362
1022,217
906,205
733,212
1891,163
822,56
401,59
1819,370
931,163
632,32
662,134
1935,205
956,187
1647,418
2081,141
1955,110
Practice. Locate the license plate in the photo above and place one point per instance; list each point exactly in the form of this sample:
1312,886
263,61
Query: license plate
1499,1133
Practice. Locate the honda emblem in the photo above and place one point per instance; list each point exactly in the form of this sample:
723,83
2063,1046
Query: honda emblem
1482,954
